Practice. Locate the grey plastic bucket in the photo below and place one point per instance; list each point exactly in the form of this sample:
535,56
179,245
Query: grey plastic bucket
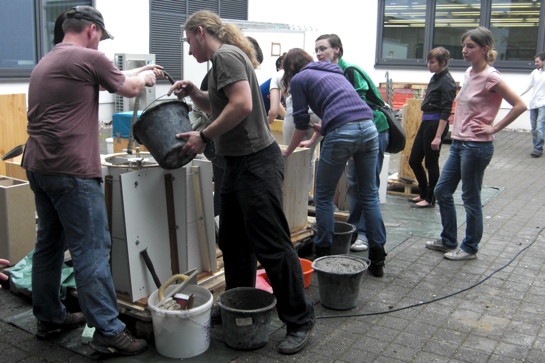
246,314
339,279
157,128
342,238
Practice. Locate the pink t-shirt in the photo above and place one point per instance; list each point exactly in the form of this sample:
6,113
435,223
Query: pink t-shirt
476,104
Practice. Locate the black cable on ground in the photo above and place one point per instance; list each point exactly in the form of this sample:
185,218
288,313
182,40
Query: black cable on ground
439,298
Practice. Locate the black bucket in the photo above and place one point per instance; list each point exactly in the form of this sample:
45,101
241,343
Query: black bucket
339,279
157,128
246,314
342,237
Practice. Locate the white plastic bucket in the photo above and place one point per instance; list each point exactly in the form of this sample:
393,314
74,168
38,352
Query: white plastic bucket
182,333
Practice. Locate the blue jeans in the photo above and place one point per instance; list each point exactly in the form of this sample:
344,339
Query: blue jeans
355,216
72,211
253,228
466,162
358,140
537,121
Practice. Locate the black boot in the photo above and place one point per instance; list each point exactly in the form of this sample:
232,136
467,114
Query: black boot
377,256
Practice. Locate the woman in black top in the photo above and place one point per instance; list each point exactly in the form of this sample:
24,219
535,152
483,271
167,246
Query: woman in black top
436,107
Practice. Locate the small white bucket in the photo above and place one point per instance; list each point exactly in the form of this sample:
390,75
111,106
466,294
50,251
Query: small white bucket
182,333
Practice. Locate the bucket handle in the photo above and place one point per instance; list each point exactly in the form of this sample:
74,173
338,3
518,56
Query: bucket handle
171,80
157,99
151,103
161,292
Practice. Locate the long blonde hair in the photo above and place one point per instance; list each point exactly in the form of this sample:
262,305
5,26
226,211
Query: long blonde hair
225,33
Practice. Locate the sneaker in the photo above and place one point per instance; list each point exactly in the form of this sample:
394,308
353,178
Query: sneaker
359,245
123,343
459,255
437,245
295,340
47,330
215,315
536,154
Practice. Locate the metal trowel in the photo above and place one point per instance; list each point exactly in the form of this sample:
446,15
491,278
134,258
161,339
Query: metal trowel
16,151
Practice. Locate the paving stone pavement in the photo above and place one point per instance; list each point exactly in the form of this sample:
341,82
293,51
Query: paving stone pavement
426,308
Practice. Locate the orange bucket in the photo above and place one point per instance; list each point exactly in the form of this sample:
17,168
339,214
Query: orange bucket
306,265
307,271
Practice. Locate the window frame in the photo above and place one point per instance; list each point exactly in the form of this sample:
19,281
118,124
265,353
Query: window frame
457,64
23,75
166,28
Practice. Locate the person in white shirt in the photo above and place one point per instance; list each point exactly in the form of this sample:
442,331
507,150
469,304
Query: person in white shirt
537,104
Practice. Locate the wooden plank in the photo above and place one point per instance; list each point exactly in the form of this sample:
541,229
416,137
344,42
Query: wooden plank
14,168
201,220
295,188
277,130
340,216
406,85
13,123
412,116
400,187
121,143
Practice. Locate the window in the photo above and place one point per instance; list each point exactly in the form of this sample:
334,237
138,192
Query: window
166,19
409,29
27,33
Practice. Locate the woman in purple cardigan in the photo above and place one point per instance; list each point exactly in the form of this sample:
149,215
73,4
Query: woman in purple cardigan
349,132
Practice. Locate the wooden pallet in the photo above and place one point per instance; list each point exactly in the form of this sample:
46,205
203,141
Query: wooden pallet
213,281
402,186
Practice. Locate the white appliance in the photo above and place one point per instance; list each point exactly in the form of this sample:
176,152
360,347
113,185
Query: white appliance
142,201
126,61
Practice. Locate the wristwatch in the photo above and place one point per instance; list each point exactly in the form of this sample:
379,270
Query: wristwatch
204,139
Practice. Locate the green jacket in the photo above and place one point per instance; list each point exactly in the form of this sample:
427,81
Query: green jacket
362,86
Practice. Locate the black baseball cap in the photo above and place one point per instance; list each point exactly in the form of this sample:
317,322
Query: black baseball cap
90,14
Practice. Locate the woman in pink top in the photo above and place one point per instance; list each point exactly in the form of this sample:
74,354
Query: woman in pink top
477,105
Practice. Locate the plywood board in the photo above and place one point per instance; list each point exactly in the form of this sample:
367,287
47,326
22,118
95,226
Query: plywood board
145,217
121,143
277,130
14,169
13,124
412,116
140,222
205,219
295,188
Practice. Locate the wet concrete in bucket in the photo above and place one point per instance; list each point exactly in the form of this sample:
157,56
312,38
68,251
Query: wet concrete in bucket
339,265
246,299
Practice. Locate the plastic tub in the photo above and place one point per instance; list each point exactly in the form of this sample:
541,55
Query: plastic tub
246,314
342,238
339,279
306,265
182,333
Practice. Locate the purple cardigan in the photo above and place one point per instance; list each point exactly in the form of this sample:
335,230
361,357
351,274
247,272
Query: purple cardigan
323,87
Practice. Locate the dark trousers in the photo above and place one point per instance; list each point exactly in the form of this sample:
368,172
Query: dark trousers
253,228
218,169
422,151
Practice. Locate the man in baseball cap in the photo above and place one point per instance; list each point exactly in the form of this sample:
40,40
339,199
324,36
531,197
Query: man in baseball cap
90,14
